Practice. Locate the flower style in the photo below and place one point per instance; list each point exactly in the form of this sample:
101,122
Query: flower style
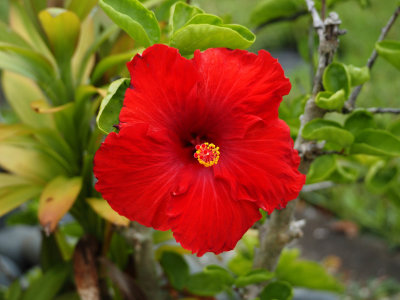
200,147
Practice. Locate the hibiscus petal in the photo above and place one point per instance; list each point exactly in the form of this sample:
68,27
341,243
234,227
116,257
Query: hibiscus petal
135,172
264,164
162,83
242,81
203,215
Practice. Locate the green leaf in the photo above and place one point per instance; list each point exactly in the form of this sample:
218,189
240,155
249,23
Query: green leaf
336,77
20,99
278,290
62,29
381,176
358,75
14,291
330,131
204,36
56,199
111,105
7,180
345,172
13,196
4,10
359,120
269,10
176,269
103,209
110,61
81,8
390,51
205,19
139,22
321,168
330,100
224,275
376,142
47,286
180,14
240,264
7,35
254,277
163,11
206,283
303,273
394,128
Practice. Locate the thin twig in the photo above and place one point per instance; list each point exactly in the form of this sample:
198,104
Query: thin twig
378,110
317,186
350,104
323,9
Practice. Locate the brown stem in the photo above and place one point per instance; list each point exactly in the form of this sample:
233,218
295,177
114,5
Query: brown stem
281,229
351,103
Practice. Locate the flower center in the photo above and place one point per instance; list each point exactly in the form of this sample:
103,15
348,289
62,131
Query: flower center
207,154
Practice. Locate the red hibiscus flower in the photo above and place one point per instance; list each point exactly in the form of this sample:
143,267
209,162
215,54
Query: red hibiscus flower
200,147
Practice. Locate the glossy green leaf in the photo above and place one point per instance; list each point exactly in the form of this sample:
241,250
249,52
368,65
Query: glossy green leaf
13,196
358,75
110,61
376,142
381,176
139,22
359,120
180,14
304,273
269,10
204,36
254,277
81,8
330,131
278,290
389,50
56,199
336,77
176,269
47,286
321,168
330,100
111,105
205,19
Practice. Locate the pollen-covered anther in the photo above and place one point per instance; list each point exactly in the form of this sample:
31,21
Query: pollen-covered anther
207,154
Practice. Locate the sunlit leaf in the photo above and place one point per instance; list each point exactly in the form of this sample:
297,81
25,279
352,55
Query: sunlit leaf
13,196
180,14
358,75
7,180
101,207
330,131
389,50
139,22
204,36
336,77
376,142
170,248
330,100
111,105
56,199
